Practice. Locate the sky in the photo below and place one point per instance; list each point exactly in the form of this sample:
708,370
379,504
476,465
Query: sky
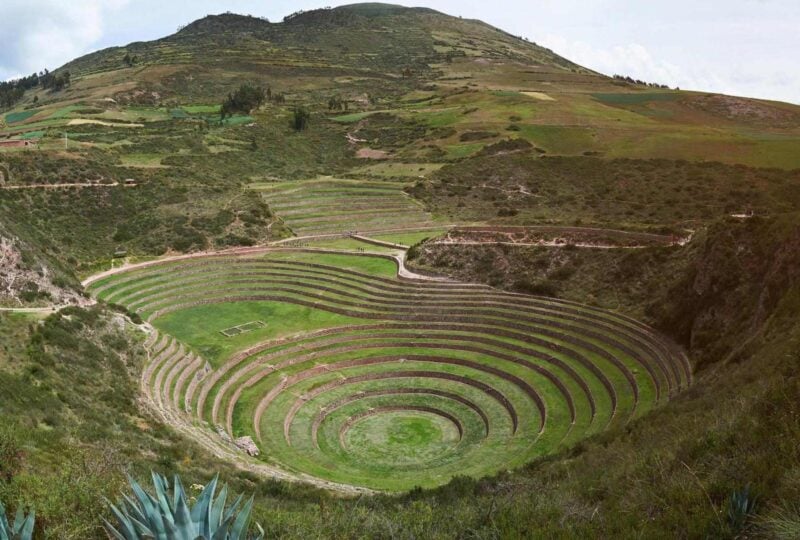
739,47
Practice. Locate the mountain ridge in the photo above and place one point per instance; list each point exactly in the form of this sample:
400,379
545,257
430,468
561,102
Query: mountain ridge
426,26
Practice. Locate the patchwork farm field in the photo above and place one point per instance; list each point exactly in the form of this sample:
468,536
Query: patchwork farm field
360,378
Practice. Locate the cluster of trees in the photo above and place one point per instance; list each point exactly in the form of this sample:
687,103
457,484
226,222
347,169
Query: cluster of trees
55,82
12,91
248,98
129,60
336,103
631,80
294,15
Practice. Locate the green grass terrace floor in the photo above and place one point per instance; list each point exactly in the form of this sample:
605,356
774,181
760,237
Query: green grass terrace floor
361,378
332,206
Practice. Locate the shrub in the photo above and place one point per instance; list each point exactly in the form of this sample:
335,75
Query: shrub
414,251
539,288
563,273
300,119
134,317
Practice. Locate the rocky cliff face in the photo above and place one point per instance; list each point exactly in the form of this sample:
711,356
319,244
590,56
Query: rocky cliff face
28,278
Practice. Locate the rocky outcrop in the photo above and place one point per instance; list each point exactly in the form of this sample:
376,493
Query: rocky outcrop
247,445
27,279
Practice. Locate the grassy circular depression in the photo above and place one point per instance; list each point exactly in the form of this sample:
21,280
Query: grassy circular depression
343,372
400,437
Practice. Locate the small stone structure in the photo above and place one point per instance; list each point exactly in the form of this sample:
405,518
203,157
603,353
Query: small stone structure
247,444
15,143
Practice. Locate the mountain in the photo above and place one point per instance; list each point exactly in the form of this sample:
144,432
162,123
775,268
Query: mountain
374,56
359,50
366,38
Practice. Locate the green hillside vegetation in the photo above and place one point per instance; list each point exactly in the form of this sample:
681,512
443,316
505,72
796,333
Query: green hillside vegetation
524,187
600,339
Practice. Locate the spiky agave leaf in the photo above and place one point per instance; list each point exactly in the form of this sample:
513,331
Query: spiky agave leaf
218,507
239,530
5,528
21,529
202,511
185,527
168,516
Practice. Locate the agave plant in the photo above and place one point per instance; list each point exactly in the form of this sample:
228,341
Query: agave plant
741,507
167,517
21,529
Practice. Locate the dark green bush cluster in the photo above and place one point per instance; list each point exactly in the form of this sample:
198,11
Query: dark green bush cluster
243,100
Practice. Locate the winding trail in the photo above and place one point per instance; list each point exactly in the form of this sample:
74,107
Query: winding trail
48,309
66,185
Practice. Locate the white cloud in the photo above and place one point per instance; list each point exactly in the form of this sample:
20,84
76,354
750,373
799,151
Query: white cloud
766,80
632,59
48,33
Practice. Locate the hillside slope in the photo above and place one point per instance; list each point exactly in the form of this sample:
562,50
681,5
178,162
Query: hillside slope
457,85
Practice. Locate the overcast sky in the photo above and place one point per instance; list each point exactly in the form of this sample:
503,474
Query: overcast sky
740,47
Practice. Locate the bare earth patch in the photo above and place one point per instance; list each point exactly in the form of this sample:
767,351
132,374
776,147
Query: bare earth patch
539,95
82,121
369,153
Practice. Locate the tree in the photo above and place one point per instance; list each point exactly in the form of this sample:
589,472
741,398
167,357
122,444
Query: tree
243,100
300,119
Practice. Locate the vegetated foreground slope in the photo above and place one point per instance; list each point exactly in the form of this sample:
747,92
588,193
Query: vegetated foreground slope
401,377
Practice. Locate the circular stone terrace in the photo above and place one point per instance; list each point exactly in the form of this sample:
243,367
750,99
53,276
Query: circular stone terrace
345,375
